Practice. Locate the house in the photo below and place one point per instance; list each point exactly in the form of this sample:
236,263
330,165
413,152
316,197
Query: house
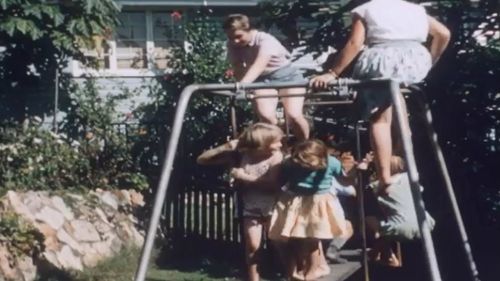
149,28
135,54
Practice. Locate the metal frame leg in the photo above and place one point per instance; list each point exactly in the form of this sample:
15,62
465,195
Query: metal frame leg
423,223
438,154
361,205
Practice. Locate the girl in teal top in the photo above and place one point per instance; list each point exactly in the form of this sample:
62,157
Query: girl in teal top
306,210
307,180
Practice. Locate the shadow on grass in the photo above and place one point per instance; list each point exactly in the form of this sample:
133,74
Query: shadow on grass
207,261
197,261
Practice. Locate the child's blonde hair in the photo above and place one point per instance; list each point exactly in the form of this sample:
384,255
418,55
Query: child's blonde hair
259,136
236,22
311,154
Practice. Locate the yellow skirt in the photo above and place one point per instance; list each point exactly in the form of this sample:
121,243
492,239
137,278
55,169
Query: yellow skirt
306,216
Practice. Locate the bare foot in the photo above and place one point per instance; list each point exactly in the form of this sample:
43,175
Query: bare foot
324,270
392,261
298,276
320,271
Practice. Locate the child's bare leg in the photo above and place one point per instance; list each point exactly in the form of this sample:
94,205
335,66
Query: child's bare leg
388,257
314,260
253,234
380,137
324,268
294,112
372,225
285,253
265,108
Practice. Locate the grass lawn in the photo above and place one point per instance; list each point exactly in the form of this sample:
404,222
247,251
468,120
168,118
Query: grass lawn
122,267
176,275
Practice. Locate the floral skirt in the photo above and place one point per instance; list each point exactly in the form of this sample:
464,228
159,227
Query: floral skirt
407,62
306,216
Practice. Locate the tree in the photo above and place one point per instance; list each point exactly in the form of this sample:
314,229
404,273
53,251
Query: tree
39,36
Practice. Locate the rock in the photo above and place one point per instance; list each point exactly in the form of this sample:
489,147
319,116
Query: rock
116,245
7,266
102,227
18,206
68,259
59,204
51,257
133,219
50,217
124,231
84,231
76,235
102,216
65,238
110,199
50,241
27,268
91,260
125,197
138,237
136,198
33,201
103,248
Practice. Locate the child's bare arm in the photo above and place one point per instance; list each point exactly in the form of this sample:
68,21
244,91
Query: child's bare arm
220,155
271,178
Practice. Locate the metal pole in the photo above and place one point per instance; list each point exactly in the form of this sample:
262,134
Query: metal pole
56,101
163,185
361,205
423,223
174,140
172,148
433,138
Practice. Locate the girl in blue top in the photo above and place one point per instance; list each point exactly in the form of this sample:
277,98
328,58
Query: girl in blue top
306,210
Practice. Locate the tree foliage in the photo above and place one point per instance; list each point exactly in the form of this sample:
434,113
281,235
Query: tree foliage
38,36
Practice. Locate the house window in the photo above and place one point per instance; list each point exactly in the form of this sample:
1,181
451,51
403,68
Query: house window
131,38
168,32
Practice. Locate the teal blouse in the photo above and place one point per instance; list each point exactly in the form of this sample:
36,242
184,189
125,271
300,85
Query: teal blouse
304,181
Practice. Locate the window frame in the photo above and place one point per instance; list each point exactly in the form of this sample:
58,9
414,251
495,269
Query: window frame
77,69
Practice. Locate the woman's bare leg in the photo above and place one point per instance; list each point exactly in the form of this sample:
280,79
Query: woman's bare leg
294,112
381,141
265,108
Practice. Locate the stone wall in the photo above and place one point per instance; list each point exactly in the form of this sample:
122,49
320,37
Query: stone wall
77,231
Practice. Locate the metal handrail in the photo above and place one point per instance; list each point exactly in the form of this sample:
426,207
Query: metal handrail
182,105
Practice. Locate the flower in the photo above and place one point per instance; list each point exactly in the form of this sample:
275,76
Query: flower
37,119
128,116
229,73
176,15
37,141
